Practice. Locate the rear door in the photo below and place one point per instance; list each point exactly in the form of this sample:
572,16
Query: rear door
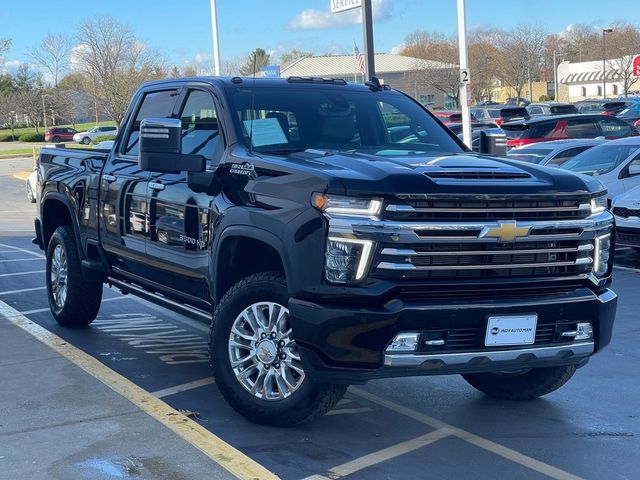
124,216
581,128
180,220
611,127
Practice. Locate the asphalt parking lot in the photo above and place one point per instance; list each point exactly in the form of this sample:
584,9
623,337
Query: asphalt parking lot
432,427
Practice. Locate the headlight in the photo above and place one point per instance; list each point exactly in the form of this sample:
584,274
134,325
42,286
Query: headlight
601,255
348,206
598,204
347,259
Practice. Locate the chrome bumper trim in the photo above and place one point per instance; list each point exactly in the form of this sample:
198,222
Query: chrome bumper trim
523,355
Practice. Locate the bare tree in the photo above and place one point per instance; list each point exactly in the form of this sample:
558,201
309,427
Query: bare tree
115,63
5,43
53,55
520,58
483,58
8,107
623,44
293,55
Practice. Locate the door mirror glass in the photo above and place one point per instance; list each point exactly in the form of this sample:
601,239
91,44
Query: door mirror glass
160,146
634,169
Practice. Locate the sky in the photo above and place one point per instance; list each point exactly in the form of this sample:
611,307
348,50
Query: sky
181,29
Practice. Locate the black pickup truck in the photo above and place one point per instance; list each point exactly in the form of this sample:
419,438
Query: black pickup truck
331,234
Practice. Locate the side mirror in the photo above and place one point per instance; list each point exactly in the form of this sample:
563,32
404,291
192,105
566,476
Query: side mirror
160,147
634,170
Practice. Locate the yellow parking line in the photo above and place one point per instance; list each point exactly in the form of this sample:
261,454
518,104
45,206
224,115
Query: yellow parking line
509,454
22,175
216,449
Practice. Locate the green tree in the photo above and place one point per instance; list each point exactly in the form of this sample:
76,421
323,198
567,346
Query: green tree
293,55
255,61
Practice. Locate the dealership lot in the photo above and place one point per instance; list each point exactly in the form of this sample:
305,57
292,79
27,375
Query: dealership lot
401,428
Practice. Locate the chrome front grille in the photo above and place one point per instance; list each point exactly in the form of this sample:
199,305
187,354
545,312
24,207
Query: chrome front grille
487,260
473,208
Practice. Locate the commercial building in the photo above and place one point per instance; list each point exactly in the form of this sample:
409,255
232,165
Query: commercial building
582,80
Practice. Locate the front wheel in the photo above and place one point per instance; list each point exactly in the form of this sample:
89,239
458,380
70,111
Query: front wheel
86,141
255,358
527,385
31,197
73,301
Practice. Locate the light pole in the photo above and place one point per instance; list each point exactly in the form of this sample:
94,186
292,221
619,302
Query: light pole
604,60
216,45
463,96
12,113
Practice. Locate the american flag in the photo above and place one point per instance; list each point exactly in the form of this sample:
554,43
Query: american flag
359,58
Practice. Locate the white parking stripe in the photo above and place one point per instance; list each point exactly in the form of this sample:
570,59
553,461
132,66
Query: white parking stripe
22,290
347,411
384,455
20,273
165,392
512,455
23,250
40,310
20,260
626,269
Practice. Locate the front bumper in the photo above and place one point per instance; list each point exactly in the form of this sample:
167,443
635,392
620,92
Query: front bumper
346,344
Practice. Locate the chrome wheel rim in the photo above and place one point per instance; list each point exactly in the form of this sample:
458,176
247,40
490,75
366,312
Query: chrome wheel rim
263,355
58,273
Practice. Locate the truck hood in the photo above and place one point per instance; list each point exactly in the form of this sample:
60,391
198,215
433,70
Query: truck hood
464,173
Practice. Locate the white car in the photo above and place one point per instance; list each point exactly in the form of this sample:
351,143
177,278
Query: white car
615,163
104,145
626,209
553,153
32,186
87,137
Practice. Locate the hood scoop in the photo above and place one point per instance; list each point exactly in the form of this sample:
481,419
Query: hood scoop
475,174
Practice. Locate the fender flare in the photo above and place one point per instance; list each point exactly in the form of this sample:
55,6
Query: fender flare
75,224
254,233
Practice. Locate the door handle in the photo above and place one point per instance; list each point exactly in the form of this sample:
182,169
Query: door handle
156,186
109,178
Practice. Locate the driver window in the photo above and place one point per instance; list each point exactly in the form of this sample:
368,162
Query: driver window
200,127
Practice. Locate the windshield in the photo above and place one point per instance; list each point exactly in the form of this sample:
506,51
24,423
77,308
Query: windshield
282,121
600,159
631,110
531,155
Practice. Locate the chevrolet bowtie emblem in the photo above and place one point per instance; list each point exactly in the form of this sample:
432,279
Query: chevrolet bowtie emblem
505,231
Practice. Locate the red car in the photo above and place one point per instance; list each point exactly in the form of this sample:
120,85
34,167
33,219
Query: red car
447,117
560,127
59,134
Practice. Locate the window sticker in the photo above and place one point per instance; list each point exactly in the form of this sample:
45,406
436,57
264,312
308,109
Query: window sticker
266,131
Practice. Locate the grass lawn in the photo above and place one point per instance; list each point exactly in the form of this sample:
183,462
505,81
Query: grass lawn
29,151
81,127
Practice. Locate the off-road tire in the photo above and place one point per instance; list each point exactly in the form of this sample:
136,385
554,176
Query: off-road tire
525,386
312,399
83,298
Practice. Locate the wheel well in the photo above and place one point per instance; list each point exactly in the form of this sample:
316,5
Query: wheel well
54,214
239,257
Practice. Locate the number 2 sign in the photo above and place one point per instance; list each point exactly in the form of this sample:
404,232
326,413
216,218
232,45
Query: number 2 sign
465,77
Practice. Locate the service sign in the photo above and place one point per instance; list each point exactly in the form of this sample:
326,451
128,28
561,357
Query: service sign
342,5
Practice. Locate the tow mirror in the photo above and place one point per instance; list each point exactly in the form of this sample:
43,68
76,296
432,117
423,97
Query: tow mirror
634,170
160,147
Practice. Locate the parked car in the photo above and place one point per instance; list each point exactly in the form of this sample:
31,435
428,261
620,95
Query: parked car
626,210
607,107
519,101
87,137
615,163
551,108
32,186
552,153
500,114
59,134
447,117
631,114
476,128
559,127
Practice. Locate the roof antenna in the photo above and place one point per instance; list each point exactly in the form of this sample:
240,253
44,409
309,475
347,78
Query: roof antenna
253,99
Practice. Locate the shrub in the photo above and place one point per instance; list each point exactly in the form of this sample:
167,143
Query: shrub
543,98
31,137
103,138
5,137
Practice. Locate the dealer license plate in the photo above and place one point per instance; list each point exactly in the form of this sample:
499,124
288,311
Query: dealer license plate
511,330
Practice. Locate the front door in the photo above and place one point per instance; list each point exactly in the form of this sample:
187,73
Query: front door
124,215
180,220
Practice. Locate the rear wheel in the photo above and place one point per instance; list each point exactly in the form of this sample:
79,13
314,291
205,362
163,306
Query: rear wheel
521,385
73,301
56,139
255,358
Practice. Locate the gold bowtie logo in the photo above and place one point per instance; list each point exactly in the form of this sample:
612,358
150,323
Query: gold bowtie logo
505,231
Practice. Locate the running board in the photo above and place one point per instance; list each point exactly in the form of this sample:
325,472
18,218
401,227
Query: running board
188,311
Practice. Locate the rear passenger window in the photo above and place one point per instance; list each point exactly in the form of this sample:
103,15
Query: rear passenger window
200,128
154,105
581,128
568,154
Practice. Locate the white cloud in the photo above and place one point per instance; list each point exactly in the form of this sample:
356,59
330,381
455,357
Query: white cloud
319,19
397,49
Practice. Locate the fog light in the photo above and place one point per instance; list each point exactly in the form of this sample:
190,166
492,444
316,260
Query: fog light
404,342
584,331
